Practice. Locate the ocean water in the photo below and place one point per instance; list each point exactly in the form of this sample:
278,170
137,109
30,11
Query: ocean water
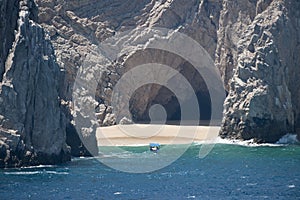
228,172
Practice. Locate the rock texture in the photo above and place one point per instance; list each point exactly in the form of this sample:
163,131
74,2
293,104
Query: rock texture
263,100
238,35
8,24
74,27
32,126
254,43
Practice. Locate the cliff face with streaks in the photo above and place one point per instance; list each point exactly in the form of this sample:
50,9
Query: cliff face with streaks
77,27
32,126
255,44
261,56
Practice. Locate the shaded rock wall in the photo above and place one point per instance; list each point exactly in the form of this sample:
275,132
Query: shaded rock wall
32,126
8,24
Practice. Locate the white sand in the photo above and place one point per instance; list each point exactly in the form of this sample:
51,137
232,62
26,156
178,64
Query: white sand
143,134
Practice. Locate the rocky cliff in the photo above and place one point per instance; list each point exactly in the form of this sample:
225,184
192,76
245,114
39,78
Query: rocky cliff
77,27
32,126
255,44
262,58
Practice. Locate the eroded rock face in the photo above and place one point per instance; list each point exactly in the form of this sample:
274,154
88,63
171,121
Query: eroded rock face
76,26
236,34
263,102
32,126
255,44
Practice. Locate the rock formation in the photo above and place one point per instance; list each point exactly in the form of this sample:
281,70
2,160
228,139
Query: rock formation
263,61
254,43
32,126
235,33
76,27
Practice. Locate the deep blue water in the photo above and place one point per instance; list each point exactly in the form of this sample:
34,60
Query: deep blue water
228,172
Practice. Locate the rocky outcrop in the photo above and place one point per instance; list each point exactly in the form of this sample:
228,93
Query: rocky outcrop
255,44
235,17
76,26
235,33
32,126
263,100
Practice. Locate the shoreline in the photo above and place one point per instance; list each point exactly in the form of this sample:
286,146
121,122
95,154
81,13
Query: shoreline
143,134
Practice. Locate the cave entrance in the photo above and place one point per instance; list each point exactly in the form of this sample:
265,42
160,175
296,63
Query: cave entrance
145,97
141,109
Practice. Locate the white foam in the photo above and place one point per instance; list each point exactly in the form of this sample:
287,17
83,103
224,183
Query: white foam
54,172
248,143
35,172
22,173
251,143
81,158
117,193
38,166
288,139
251,184
291,186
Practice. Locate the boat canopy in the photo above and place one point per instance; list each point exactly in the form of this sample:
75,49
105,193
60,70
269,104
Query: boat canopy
154,145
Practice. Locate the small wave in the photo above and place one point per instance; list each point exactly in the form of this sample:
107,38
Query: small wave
288,139
54,172
251,184
247,143
117,193
291,186
39,166
82,158
35,172
23,173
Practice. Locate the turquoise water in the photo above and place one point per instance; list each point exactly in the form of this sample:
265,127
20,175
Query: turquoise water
228,172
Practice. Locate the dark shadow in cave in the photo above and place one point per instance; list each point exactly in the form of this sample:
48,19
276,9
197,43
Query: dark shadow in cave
172,107
148,95
204,109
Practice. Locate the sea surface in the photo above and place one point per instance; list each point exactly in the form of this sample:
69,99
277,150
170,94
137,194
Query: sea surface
229,171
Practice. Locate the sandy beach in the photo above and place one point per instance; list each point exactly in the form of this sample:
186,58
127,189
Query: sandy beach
143,134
